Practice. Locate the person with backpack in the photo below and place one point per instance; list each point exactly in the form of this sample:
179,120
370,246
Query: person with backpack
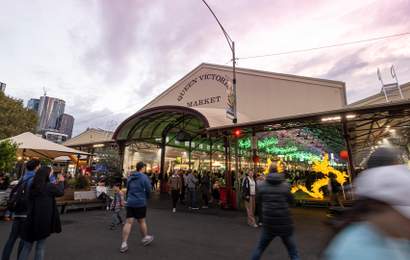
138,192
43,218
274,196
18,205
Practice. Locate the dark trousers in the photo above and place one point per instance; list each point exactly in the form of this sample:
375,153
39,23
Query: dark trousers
205,198
192,197
182,196
14,234
267,237
175,197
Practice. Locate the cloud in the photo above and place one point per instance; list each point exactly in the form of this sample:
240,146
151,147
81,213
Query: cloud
346,65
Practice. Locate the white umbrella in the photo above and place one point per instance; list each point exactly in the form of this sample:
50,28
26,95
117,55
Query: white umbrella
30,145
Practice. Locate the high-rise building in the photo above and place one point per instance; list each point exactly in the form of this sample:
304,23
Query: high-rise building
2,86
49,111
65,124
33,104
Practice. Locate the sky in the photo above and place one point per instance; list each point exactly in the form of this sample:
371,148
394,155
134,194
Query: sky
107,58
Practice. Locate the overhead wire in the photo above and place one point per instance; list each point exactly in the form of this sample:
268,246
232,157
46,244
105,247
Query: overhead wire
325,46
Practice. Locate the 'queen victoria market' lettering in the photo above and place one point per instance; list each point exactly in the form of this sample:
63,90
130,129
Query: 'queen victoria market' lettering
211,76
205,101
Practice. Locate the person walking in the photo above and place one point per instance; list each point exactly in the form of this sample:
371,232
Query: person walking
138,192
259,180
116,206
334,191
18,207
43,218
183,186
378,224
205,190
175,185
191,184
275,196
248,194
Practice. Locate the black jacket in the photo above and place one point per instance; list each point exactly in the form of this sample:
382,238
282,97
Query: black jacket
43,218
275,196
246,188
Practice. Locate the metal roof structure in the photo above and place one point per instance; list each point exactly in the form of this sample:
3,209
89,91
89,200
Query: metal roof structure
366,126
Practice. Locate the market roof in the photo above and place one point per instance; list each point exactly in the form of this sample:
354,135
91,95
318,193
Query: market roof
34,146
153,123
368,125
89,137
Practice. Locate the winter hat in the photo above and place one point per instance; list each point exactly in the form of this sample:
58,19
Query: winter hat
388,184
385,156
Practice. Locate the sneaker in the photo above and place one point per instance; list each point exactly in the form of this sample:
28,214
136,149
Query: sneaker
124,247
174,210
255,226
204,207
260,224
147,240
195,208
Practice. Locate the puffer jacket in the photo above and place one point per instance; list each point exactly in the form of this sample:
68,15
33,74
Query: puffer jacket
275,196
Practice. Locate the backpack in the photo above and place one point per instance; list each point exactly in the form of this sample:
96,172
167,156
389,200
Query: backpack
19,197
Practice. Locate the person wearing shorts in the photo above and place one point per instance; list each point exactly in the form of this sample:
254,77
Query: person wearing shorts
138,192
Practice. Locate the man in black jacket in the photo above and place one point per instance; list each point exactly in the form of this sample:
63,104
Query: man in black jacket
275,196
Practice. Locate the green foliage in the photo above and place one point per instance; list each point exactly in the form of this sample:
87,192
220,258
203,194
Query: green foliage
79,183
8,156
110,157
14,118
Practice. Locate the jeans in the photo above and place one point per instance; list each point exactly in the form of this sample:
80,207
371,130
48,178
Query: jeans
192,197
14,234
39,255
267,237
116,218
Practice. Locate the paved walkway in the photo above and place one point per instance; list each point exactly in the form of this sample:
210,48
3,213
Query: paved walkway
207,234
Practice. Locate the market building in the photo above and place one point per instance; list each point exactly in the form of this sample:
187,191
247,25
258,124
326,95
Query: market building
305,122
179,117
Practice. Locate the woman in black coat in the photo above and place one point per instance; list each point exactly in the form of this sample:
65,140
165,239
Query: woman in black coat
43,217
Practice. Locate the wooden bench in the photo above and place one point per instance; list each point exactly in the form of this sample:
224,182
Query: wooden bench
69,205
79,200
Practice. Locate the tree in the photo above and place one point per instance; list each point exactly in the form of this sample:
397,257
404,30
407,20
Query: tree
14,118
8,156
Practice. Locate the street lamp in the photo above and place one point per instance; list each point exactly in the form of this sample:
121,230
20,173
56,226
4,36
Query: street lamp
231,43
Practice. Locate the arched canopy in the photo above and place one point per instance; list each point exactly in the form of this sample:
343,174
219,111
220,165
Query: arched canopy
157,122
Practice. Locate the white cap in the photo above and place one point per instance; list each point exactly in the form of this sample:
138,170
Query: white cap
388,184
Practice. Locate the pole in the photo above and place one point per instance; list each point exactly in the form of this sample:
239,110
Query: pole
210,156
162,166
232,47
237,186
189,154
346,136
235,119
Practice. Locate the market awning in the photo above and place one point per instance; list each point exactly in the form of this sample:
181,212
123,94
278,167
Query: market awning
30,145
152,124
367,126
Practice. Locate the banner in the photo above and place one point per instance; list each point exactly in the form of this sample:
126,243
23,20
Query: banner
230,101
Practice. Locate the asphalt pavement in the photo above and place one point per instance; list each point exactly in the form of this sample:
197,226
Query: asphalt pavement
206,234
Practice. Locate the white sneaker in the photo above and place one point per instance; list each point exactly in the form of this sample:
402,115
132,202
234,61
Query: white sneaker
174,210
124,247
147,240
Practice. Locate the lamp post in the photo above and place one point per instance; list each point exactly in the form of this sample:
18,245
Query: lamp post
231,44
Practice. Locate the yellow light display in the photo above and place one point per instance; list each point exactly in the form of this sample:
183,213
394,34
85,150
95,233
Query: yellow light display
325,168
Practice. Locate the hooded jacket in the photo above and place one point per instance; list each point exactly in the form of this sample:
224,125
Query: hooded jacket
274,194
138,190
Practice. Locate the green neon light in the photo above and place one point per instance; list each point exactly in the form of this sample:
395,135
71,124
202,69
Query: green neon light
289,152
